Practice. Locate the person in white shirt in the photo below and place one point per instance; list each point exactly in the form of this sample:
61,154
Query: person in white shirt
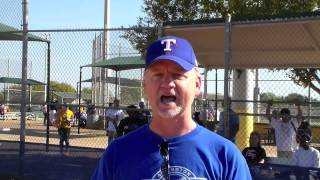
45,113
306,156
113,117
285,128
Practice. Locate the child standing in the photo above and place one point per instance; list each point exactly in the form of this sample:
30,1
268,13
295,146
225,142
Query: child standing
305,155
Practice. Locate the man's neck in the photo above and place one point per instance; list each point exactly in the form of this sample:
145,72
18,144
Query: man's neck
169,128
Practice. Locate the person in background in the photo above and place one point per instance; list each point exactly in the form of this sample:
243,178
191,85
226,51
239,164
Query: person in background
1,109
45,113
254,153
82,120
285,128
132,122
196,118
63,122
110,106
113,117
144,113
172,146
305,155
234,123
213,114
53,111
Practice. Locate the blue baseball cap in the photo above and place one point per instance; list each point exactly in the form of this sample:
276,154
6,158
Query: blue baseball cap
171,48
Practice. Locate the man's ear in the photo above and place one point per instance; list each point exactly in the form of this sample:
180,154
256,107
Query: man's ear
198,86
143,85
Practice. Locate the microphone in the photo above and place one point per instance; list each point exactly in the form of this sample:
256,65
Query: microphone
164,152
164,149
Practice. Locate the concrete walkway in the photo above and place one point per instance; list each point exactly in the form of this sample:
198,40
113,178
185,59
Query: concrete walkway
38,164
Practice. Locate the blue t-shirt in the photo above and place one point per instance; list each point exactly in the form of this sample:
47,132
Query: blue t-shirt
200,154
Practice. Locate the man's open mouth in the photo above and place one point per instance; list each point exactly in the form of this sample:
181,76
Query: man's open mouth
168,99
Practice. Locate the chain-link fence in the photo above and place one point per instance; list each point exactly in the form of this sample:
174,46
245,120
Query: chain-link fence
73,49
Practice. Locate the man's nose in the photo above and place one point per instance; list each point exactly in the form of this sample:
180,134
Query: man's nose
168,81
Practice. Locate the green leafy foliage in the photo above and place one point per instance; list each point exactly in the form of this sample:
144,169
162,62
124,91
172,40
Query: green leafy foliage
306,77
270,96
86,90
130,95
61,87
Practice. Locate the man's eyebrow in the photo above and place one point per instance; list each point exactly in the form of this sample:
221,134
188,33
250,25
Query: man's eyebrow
155,69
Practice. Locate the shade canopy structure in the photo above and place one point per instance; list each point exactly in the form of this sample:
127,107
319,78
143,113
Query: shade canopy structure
120,63
9,33
11,80
30,82
69,97
269,42
121,81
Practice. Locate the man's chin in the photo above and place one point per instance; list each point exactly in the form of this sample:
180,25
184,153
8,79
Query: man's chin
170,114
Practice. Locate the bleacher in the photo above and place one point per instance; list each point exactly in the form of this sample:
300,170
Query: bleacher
16,116
9,116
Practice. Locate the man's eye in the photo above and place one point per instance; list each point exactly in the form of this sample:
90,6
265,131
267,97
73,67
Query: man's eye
157,75
178,76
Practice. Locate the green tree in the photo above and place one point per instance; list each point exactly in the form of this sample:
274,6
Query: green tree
306,77
2,97
270,96
38,88
293,97
130,95
86,90
54,86
61,87
158,11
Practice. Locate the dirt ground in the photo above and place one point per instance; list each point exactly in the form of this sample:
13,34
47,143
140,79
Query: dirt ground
36,132
91,138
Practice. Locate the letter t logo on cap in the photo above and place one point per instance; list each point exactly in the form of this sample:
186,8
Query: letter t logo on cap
168,44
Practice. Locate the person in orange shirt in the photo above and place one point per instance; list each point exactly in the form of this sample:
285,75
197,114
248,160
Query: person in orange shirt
63,122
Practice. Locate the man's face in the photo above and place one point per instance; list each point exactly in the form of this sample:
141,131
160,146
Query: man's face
285,117
254,140
116,103
63,108
170,89
132,113
141,105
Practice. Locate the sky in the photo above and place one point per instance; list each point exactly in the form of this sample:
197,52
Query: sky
77,14
49,14
62,14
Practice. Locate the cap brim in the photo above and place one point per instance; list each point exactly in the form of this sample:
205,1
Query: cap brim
182,63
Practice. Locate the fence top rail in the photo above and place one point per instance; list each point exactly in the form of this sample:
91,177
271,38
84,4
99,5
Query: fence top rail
81,30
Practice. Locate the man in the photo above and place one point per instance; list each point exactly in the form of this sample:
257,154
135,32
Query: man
45,113
113,118
53,111
1,109
132,122
234,123
285,128
144,113
172,146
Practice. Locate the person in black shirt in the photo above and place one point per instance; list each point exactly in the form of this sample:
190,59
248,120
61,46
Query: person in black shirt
196,118
132,122
144,112
255,153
